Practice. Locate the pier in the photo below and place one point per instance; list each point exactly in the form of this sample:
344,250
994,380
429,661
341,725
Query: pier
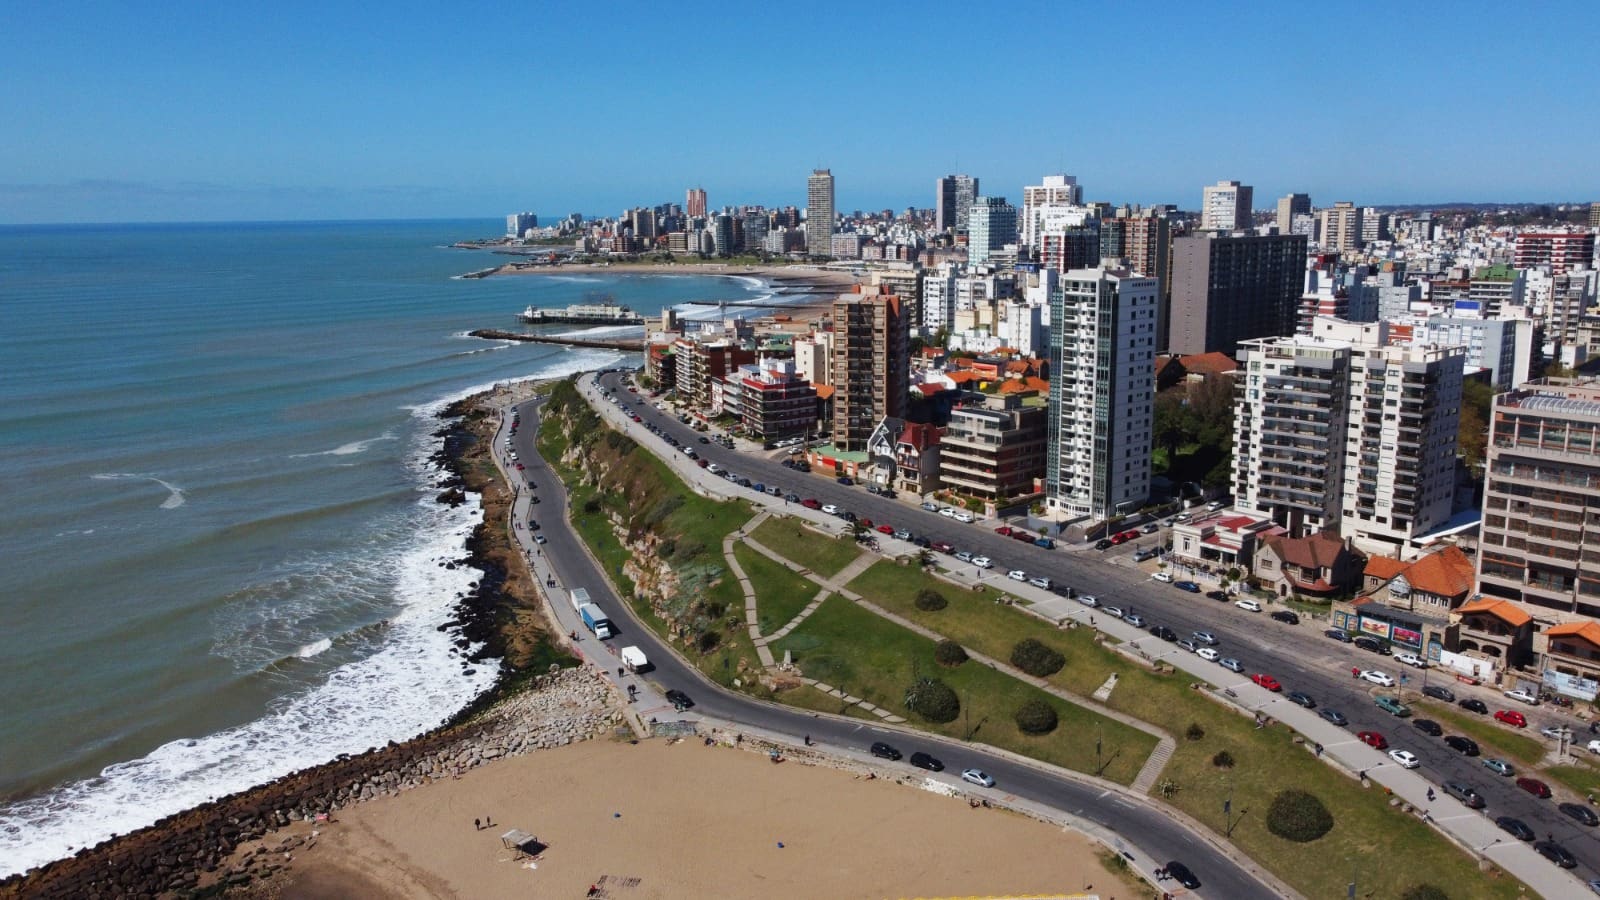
494,334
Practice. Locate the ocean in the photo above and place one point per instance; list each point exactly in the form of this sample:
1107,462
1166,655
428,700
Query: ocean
222,552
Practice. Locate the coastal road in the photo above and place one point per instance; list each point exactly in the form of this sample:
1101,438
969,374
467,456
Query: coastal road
1142,829
1298,656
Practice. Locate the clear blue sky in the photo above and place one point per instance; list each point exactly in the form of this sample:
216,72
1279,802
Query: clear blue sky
177,111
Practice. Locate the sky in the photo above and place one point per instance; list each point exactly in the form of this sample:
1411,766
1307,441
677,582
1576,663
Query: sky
140,112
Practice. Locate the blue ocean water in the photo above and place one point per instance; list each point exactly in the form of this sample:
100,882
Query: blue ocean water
221,547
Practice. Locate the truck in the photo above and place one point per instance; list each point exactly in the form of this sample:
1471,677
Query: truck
580,596
634,659
595,621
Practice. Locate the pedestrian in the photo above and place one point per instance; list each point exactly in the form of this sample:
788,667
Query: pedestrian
1431,795
477,825
1319,751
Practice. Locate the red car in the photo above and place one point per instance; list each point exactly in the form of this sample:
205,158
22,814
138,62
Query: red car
1373,739
1267,681
1511,717
867,524
702,462
886,529
944,547
1119,539
811,503
1003,529
1020,535
1131,535
1535,787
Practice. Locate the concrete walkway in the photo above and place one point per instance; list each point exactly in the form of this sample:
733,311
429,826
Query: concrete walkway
751,613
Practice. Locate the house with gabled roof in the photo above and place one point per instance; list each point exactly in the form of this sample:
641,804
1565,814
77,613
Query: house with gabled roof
1410,604
1317,565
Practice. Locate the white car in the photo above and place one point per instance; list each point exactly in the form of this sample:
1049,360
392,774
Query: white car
1040,582
830,509
1405,758
983,562
1376,677
539,539
948,513
978,777
1248,605
1524,696
1165,577
1207,654
1088,600
1594,746
1411,659
1017,575
962,515
1112,611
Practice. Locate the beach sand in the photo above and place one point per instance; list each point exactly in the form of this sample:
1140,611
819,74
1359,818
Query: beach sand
661,819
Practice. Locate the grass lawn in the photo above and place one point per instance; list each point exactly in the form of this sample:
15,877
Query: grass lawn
819,553
1266,760
870,657
1582,780
1495,739
780,593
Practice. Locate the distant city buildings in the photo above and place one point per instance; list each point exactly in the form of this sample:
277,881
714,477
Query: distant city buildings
819,213
1560,250
519,224
694,203
1340,228
1059,191
1227,289
1289,207
953,199
992,224
1225,206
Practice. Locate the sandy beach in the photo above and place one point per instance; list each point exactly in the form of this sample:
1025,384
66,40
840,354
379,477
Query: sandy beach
661,819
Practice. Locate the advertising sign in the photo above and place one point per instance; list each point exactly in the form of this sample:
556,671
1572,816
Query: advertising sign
1375,627
1571,685
1406,636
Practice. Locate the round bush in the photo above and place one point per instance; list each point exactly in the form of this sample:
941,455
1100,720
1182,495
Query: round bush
1194,732
1298,816
1036,658
933,700
949,653
1036,717
1222,760
1424,891
930,600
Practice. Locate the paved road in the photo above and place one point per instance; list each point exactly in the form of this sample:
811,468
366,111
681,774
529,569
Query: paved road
1298,656
1143,830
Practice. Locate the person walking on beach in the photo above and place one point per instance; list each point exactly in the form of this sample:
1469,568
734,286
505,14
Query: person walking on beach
476,825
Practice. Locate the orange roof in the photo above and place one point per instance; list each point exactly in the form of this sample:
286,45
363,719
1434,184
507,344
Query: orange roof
1016,366
1012,386
1037,384
1212,363
962,377
1504,610
1447,573
1314,551
1589,631
824,391
1384,567
928,390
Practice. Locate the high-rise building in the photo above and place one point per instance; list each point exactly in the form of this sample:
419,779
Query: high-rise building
721,228
1225,206
1290,206
819,213
1341,227
1226,289
1561,250
813,357
518,224
1341,430
1066,247
694,202
1375,226
871,364
992,224
952,201
775,402
1491,290
1057,190
1102,390
1145,241
1594,215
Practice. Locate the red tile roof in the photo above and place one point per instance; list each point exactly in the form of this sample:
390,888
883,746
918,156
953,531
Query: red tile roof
1213,363
920,436
1384,567
1315,551
1504,610
824,391
1447,573
1589,631
1037,384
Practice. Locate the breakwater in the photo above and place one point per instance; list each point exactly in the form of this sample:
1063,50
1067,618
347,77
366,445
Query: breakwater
495,334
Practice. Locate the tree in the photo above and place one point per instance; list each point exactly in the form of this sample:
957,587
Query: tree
1036,658
1298,816
1472,435
930,600
933,700
1424,891
1036,717
949,654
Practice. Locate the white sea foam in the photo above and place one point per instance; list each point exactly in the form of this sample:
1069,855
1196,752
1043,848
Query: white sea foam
602,331
347,449
175,496
314,648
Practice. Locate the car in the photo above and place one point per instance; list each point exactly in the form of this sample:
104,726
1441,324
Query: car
1039,581
1003,530
1338,634
1165,633
1511,717
978,777
759,487
873,489
1553,732
1180,873
1439,692
1046,543
884,751
1119,539
1535,787
1392,706
1472,704
930,506
1516,828
1165,577
1152,528
1134,619
1405,758
983,562
962,515
1557,854
702,462
791,498
1301,698
1334,716
1017,575
1188,645
1231,664
1146,553
1411,659
831,509
1373,739
963,555
811,503
704,439
1465,793
1376,677
1102,544
1248,605
1219,596
1581,813
1206,653
947,512
1427,726
845,480
1287,617
944,546
1464,745
903,534
1499,767
1267,681
889,529
922,542
1205,637
1371,644
1189,586
540,539
1523,696
924,761
679,699
1131,534
1112,611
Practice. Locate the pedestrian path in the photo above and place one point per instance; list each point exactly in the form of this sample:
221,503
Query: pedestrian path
751,614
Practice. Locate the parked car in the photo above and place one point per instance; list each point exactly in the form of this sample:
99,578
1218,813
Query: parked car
1205,637
1511,717
679,699
1334,716
1112,611
944,546
1165,633
1405,758
1392,706
1219,596
1581,813
1017,575
947,512
1231,664
1039,581
930,506
1553,732
1248,605
1180,873
1535,787
1439,692
1301,698
1373,739
1284,615
1189,586
1376,677
1472,704
1186,644
1046,543
1411,659
831,509
1267,681
977,777
1557,854
1338,634
1102,544
1207,654
1516,828
1165,577
1371,644
962,515
1088,600
845,480
1134,619
963,555
1427,726
1465,793
1464,745
884,751
1523,696
924,761
811,503
1499,767
983,562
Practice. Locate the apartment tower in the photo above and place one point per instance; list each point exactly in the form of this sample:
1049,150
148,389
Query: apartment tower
694,203
819,213
992,224
1225,206
1290,206
871,363
1341,228
1227,289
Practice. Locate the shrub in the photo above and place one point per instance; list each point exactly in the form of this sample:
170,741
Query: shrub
1036,717
708,641
1036,658
1424,891
1194,732
930,600
1298,816
1223,760
933,700
949,653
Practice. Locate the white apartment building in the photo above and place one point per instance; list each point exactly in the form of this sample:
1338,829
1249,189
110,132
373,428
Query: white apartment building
813,357
1102,392
1343,430
1057,191
1502,346
991,225
1225,206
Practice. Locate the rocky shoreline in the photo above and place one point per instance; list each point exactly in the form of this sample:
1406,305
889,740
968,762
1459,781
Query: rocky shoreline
538,701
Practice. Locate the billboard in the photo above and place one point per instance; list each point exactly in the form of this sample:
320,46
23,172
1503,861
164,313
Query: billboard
1571,685
1406,636
1375,627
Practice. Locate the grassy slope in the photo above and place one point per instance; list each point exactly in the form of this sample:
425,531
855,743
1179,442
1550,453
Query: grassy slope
819,553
